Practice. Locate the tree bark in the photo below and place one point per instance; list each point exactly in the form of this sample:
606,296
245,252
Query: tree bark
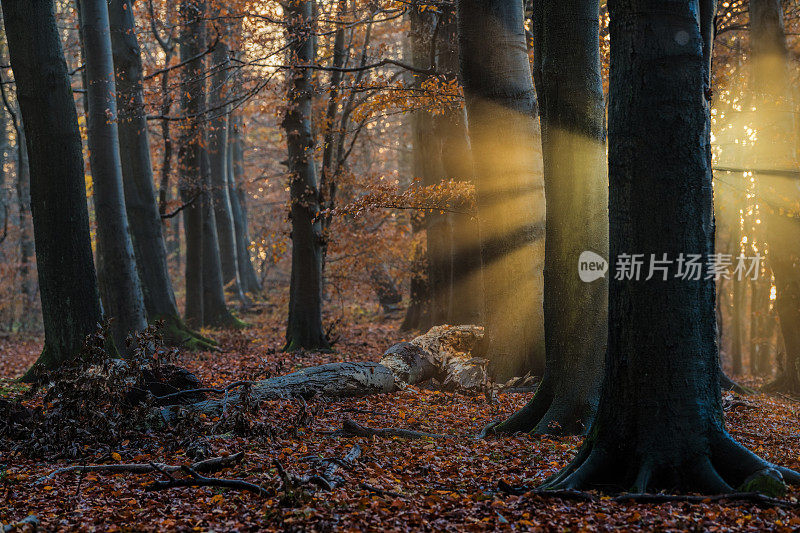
776,147
120,287
659,424
26,245
502,110
247,274
191,185
70,301
137,178
570,91
304,328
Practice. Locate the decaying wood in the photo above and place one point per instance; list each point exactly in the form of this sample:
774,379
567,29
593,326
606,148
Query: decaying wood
206,466
444,354
196,480
326,481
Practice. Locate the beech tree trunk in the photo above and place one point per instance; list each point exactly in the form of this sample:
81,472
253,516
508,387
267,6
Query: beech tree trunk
570,91
304,328
502,110
218,147
463,270
120,288
248,278
776,147
192,188
137,177
659,424
26,246
67,279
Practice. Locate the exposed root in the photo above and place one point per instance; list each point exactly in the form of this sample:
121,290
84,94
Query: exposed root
727,468
176,333
786,382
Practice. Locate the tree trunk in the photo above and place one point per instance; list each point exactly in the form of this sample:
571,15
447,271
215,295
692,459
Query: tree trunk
659,424
120,288
70,302
192,188
389,296
247,274
215,309
137,178
570,91
304,329
26,246
776,148
501,107
464,274
218,147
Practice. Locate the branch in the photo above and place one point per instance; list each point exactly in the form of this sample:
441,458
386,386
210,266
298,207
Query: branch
196,480
184,206
184,62
204,389
352,428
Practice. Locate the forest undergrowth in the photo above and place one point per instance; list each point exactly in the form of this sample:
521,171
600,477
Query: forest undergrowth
309,476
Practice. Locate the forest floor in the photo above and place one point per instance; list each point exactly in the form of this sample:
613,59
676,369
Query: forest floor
447,484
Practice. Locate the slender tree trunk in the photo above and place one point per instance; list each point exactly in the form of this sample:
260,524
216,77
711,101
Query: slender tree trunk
116,266
218,147
215,308
70,301
137,173
26,246
191,185
501,107
247,274
659,424
304,329
737,318
776,148
570,91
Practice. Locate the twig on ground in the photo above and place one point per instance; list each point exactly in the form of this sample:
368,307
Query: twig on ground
206,466
380,491
351,428
196,480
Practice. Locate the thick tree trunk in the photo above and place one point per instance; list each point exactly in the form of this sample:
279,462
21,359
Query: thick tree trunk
304,328
501,107
386,290
137,175
192,188
570,94
120,288
659,423
70,302
776,147
247,274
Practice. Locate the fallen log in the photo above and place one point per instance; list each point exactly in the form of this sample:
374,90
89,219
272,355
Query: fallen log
351,428
442,354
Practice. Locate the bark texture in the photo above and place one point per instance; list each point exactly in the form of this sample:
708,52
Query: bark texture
660,424
120,288
570,90
68,284
502,110
191,185
304,328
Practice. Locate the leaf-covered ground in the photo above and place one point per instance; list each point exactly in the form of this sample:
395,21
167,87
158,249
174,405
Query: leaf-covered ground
448,484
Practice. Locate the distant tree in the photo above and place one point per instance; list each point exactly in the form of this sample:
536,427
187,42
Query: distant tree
120,288
137,176
659,424
776,148
502,110
304,328
192,100
570,89
67,279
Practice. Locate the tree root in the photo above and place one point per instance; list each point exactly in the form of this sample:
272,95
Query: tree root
786,383
176,333
207,466
644,497
727,468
